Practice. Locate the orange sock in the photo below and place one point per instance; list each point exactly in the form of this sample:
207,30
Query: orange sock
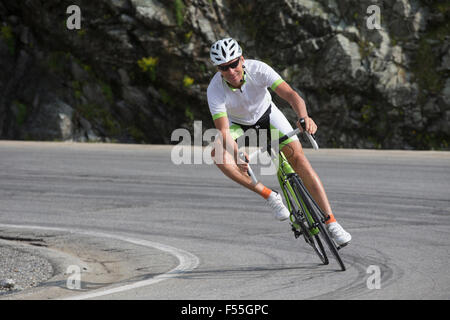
265,193
332,219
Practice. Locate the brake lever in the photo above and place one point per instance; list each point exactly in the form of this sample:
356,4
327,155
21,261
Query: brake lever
303,124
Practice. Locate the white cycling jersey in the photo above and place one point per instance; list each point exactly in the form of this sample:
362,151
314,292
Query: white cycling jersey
247,104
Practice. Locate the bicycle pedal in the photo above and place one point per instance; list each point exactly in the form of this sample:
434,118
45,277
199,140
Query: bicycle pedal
342,245
297,233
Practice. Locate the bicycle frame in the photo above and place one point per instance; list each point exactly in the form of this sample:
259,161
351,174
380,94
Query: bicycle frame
284,174
299,201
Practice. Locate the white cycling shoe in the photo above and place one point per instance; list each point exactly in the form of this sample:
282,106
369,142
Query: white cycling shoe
279,210
339,235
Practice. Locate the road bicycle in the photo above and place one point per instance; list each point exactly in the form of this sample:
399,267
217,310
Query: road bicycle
307,219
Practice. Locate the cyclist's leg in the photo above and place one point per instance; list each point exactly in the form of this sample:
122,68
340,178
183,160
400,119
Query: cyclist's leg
228,166
297,159
293,151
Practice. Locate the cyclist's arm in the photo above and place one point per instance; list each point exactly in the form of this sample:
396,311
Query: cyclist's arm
285,91
222,124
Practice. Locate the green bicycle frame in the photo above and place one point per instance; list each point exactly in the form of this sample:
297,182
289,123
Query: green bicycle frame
284,170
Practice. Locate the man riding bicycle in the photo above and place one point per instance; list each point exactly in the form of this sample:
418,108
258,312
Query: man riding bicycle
238,100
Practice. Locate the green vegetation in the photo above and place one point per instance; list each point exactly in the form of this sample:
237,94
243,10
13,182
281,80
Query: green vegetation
81,33
202,68
179,12
189,114
367,113
188,36
107,92
95,113
439,30
57,61
188,81
166,97
149,65
86,68
426,61
136,134
7,35
245,11
424,68
76,86
374,141
426,140
365,48
442,7
21,112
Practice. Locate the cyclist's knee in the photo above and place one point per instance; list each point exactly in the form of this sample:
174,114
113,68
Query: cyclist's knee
299,161
298,158
293,151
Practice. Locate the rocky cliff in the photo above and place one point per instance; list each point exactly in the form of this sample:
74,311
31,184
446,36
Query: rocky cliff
138,69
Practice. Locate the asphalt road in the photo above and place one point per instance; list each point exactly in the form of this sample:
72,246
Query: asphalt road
222,238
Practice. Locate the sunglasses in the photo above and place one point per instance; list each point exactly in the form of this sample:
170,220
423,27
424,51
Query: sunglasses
231,65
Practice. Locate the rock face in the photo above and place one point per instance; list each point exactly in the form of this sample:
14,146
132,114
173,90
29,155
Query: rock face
139,69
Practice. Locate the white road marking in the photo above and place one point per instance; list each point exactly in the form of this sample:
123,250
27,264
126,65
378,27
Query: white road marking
188,261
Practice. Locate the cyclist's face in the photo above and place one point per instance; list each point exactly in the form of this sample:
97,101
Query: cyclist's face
233,75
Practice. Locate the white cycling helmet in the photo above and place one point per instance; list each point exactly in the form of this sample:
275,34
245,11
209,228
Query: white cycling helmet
225,50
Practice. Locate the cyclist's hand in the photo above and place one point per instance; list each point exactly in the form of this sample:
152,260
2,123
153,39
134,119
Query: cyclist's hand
310,125
242,165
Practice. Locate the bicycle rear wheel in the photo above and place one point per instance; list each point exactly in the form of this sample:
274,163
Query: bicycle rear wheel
305,227
317,215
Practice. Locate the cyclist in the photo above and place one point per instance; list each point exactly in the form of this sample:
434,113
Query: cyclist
238,100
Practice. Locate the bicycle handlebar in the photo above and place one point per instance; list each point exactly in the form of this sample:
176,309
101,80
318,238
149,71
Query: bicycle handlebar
311,137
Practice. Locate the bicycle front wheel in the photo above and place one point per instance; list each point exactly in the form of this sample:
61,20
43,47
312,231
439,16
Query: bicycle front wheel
317,216
303,226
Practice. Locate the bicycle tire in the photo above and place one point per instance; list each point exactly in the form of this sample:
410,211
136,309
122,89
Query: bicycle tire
313,240
318,216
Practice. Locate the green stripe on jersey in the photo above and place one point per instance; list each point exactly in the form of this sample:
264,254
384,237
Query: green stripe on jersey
276,84
219,115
